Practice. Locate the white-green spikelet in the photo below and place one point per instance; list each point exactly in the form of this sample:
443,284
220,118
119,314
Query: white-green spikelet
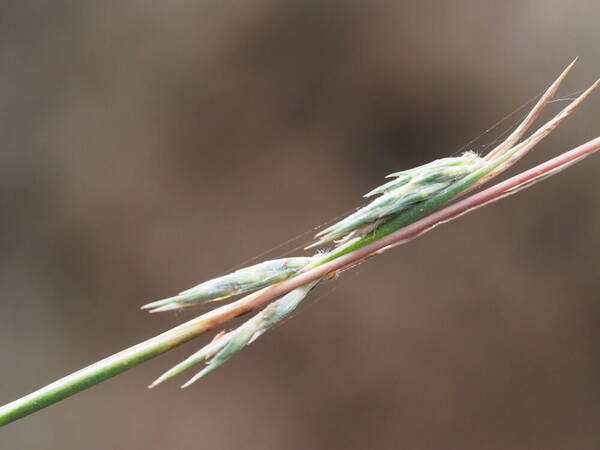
408,188
225,345
238,282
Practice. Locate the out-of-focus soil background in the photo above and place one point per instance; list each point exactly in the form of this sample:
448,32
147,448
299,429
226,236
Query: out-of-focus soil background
146,146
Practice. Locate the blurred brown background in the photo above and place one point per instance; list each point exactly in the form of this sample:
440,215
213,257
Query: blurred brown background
147,146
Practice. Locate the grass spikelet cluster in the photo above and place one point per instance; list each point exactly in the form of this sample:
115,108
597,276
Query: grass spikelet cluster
410,196
412,203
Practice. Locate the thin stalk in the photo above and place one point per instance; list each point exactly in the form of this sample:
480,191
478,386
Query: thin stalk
131,357
102,370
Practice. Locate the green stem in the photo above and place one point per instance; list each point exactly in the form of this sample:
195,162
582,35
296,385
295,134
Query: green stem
100,371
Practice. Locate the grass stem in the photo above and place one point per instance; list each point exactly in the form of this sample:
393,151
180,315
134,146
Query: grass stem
131,357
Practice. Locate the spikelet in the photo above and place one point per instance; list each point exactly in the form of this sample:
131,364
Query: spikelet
225,345
408,188
238,282
404,177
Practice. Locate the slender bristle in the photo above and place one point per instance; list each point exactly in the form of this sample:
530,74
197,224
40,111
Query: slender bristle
532,116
